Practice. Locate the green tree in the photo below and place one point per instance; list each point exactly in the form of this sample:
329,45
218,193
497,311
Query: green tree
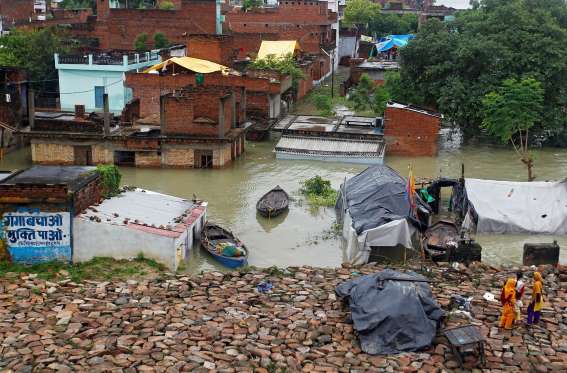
511,111
141,42
160,40
166,5
380,100
78,4
251,4
33,51
323,103
452,66
284,65
387,24
359,13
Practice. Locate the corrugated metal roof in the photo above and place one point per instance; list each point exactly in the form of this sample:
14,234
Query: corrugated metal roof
331,146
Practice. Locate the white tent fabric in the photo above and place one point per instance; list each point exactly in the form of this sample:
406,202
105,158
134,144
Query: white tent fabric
518,207
397,232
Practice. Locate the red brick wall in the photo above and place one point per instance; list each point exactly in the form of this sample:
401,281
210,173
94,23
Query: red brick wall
148,87
182,111
16,10
118,28
409,132
33,193
88,195
309,22
219,49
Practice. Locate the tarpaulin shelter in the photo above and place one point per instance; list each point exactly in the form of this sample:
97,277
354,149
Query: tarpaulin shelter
278,48
516,207
194,64
391,41
392,312
375,211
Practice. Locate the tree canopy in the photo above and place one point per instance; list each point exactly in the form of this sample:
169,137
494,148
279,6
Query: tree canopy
452,66
359,13
33,51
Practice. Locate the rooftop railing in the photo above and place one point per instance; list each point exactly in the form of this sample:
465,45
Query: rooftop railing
112,59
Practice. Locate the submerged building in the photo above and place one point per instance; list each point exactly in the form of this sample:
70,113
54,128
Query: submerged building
57,213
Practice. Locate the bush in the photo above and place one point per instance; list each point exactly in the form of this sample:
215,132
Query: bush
166,5
319,191
111,177
323,103
160,40
251,4
141,42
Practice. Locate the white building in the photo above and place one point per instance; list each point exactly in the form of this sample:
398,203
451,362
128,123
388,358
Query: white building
159,226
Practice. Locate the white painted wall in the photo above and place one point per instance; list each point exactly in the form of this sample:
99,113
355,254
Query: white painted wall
92,239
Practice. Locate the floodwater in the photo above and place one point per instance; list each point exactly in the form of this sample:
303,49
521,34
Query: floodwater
304,236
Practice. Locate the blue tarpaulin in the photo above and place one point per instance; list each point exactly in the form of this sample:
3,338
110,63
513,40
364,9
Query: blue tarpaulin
391,41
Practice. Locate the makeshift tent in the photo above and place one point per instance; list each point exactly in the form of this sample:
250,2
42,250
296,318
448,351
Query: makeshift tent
194,64
279,48
391,41
392,312
374,209
516,207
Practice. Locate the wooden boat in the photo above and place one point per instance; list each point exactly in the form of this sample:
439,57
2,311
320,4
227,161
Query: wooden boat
214,237
273,203
443,243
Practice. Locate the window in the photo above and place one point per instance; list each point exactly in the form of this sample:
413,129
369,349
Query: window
99,93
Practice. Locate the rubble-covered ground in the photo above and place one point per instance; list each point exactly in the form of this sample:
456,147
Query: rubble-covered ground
219,322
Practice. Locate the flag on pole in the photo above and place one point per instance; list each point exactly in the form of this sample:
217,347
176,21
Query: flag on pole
411,190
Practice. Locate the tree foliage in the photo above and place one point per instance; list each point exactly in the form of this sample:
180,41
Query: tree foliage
78,4
388,24
166,5
33,51
284,65
110,177
452,66
366,97
360,13
141,42
251,4
160,40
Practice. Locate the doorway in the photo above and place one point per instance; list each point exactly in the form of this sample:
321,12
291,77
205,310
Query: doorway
83,155
124,158
203,159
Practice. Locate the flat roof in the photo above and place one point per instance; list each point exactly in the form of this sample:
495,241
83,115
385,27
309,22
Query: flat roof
330,146
347,125
72,176
143,207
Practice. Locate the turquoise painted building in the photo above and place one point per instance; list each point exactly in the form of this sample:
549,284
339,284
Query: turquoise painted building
84,79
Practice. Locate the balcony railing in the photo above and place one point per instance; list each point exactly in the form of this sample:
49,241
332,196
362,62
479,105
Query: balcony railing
114,59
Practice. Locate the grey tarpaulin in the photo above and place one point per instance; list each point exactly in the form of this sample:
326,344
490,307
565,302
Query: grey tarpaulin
392,311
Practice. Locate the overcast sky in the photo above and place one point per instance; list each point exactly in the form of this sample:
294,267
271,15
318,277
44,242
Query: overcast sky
459,4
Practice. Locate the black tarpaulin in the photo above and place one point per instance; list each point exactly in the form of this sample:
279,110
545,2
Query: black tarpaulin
392,311
374,197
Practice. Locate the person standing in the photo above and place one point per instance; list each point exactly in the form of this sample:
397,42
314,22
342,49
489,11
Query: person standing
508,299
520,289
536,304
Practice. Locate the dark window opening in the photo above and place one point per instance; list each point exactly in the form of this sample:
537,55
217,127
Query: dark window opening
124,158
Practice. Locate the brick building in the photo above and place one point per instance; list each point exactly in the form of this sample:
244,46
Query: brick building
117,28
195,128
15,13
311,23
36,209
257,92
411,131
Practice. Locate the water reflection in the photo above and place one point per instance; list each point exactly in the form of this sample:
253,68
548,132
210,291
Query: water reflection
302,237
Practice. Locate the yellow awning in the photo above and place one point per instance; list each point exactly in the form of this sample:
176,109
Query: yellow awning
194,64
280,48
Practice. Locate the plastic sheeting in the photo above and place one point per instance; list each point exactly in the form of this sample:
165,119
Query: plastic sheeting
391,41
517,207
393,312
278,48
194,64
375,212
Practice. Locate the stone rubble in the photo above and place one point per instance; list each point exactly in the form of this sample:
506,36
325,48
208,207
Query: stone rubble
218,322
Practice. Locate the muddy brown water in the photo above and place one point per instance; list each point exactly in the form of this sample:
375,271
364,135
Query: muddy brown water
304,236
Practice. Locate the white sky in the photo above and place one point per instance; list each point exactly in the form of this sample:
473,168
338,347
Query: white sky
459,4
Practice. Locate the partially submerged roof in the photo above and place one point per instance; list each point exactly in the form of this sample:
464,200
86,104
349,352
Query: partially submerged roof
331,146
397,105
194,64
142,207
278,48
72,176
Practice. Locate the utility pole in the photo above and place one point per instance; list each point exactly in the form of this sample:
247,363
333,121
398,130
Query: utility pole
333,75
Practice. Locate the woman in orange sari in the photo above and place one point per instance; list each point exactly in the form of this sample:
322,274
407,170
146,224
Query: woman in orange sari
536,304
508,299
